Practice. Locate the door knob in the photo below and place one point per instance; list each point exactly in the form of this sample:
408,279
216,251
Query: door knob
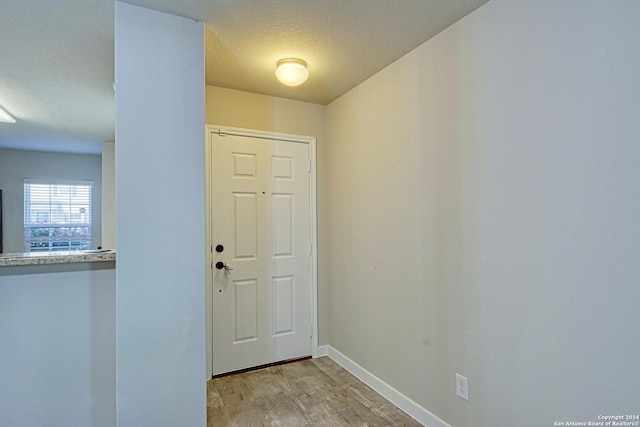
220,265
223,266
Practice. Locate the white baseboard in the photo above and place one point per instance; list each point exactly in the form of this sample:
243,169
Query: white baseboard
323,350
407,405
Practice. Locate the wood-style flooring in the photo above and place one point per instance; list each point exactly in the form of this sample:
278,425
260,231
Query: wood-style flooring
311,392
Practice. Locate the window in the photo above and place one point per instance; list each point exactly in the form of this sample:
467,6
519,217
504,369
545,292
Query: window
57,215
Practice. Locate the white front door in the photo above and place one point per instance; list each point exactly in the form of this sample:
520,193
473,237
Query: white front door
261,235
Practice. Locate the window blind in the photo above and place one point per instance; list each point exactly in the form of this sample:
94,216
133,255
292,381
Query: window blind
57,215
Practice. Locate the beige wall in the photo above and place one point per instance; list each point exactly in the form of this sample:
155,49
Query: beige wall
227,107
109,195
483,216
478,213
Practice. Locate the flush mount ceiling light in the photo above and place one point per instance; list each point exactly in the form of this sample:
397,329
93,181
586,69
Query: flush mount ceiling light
292,71
6,117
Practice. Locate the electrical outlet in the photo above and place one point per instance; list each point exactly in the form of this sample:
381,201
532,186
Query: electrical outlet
462,387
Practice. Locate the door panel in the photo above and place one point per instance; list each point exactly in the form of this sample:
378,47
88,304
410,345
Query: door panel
245,309
282,205
245,218
283,305
261,215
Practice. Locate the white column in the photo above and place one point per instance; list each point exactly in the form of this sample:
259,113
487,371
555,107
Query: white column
160,279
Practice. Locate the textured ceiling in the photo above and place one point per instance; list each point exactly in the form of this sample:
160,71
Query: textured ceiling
56,61
56,74
343,41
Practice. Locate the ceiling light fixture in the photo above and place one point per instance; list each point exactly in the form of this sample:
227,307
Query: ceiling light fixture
6,117
292,71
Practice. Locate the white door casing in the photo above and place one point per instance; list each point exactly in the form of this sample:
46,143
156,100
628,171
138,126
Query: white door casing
262,211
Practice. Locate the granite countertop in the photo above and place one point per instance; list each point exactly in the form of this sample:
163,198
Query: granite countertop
57,257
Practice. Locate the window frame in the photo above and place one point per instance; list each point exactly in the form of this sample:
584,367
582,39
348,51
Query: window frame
57,231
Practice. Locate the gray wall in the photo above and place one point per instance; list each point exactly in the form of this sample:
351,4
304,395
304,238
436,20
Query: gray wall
160,277
16,165
57,345
484,216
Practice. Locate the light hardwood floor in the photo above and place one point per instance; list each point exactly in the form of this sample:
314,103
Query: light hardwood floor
312,392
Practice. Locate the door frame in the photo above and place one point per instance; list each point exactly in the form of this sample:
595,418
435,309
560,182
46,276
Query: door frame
311,141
